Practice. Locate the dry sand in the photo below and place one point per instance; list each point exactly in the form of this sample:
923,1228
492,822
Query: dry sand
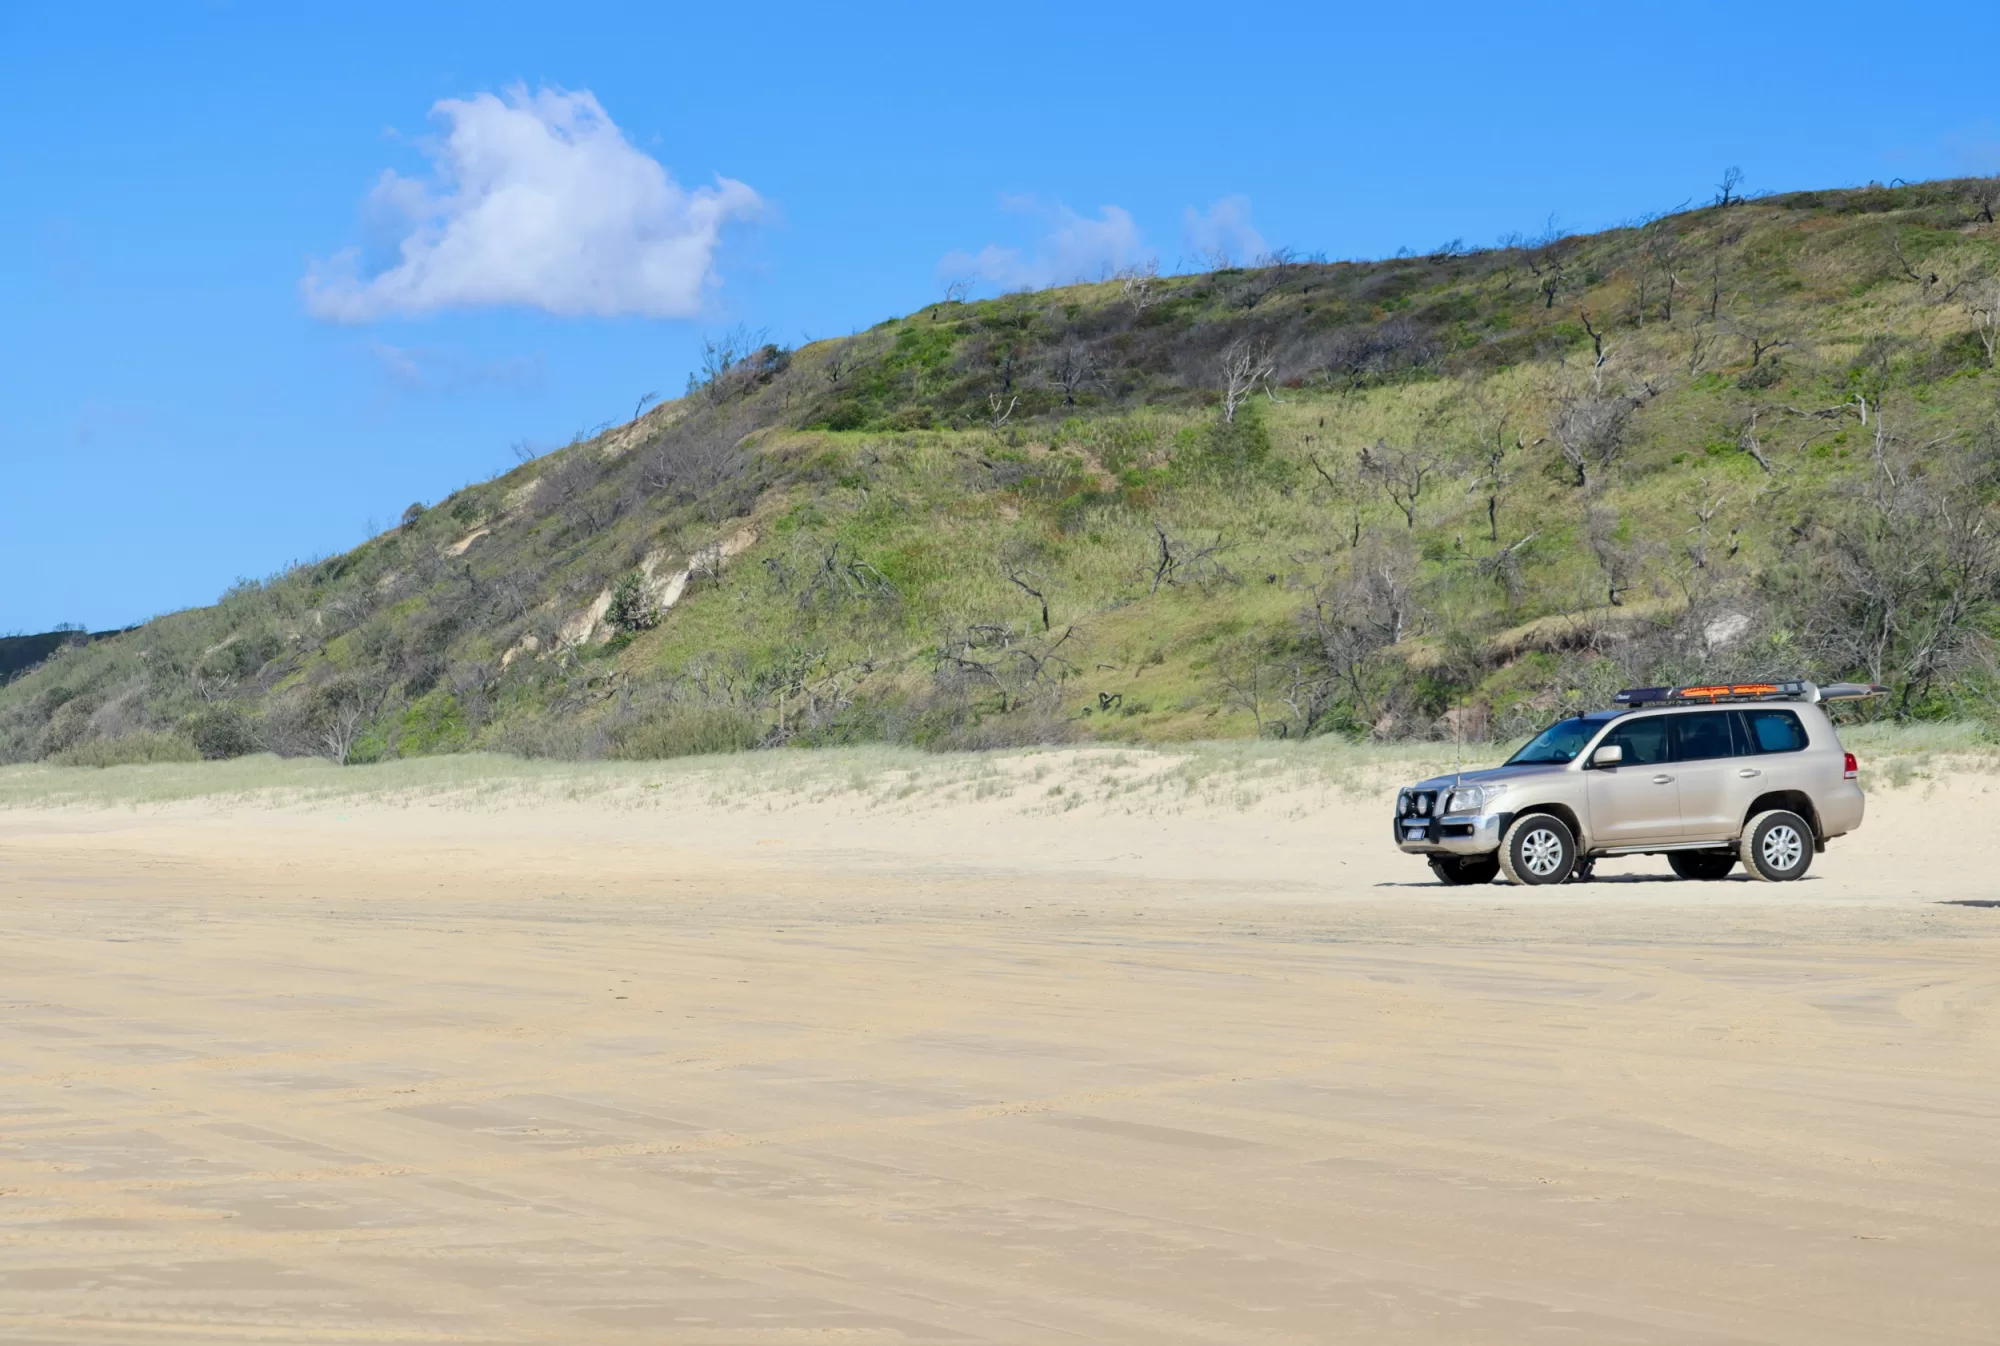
957,1070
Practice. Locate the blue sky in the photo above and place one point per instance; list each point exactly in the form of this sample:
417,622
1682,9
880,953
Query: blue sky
184,407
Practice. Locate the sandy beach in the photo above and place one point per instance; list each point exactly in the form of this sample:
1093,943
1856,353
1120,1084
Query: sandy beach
681,1067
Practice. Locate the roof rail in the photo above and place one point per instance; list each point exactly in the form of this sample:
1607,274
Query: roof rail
1793,689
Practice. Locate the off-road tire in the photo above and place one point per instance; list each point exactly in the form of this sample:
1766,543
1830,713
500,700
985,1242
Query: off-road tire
1538,848
1469,869
1708,865
1777,846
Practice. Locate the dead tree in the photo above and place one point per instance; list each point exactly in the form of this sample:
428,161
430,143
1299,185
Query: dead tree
341,730
1618,558
1340,489
720,358
1901,585
1698,550
1197,563
1021,668
1402,473
1664,253
1701,346
1139,286
1599,356
1504,565
1589,430
1073,369
1982,302
1019,580
1715,287
1762,342
1494,475
1365,606
1546,258
1923,278
1242,673
1245,365
1746,439
1984,194
1727,191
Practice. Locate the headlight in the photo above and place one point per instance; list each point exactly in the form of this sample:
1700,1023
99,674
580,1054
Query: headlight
1471,799
1403,804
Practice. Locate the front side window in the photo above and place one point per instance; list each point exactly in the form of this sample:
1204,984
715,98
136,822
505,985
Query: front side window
1775,731
1644,740
1704,735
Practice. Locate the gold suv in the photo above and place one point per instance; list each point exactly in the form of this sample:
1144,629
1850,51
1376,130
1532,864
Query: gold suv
1707,776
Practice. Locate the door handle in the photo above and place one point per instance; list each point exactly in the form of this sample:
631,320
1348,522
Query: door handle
1663,780
1749,771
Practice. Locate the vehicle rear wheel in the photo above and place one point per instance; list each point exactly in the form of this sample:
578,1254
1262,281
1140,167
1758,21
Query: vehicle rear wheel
1701,864
1456,869
1777,846
1537,849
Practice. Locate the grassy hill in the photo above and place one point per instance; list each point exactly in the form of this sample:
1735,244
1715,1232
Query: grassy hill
20,653
1416,497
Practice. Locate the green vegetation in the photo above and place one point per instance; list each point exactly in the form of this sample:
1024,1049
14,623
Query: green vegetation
1293,777
20,653
1429,497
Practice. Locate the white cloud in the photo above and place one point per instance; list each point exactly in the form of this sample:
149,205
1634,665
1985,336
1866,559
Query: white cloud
1074,247
1222,235
537,201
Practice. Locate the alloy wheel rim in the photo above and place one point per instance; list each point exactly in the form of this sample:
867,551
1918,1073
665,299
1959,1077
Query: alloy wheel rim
1782,847
1541,851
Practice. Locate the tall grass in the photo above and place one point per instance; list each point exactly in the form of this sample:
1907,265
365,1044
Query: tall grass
1227,775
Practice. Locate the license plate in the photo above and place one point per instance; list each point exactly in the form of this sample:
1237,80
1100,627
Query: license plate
1414,833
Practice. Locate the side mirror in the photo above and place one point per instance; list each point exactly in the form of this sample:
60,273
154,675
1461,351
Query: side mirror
1611,754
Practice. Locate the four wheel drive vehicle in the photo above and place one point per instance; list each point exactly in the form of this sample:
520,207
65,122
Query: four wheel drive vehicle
1708,776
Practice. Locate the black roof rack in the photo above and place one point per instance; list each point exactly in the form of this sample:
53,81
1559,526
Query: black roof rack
1792,689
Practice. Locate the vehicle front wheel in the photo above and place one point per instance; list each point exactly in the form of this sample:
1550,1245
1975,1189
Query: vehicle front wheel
1454,869
1537,849
1701,864
1777,846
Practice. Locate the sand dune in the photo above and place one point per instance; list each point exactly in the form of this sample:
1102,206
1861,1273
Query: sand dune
687,1065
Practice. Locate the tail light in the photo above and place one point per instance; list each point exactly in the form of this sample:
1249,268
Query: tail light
1852,770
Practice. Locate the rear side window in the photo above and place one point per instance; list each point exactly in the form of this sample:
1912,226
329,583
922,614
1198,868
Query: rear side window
1704,735
1644,740
1774,731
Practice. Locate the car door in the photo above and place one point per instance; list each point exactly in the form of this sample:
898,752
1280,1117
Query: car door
1635,803
1713,779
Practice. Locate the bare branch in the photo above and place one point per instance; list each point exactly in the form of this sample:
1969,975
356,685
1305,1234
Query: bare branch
1982,303
1245,364
1746,440
1073,369
1402,474
1139,285
1020,582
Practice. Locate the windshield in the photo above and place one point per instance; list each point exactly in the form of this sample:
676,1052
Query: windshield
1559,743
